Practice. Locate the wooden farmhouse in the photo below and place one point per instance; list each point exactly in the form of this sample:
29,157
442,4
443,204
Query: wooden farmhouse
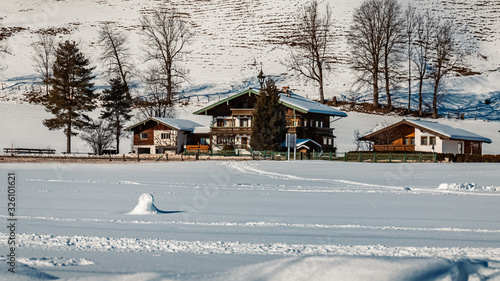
167,135
425,136
232,120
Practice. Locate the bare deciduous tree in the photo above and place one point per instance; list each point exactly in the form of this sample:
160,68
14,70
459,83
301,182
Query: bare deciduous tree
446,56
361,144
425,30
44,56
154,102
366,39
309,43
166,36
393,30
115,53
98,135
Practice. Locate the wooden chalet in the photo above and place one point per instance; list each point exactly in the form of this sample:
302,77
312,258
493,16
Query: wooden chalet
168,135
425,136
232,119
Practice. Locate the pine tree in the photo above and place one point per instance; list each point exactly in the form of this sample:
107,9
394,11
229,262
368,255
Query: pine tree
72,92
269,119
117,105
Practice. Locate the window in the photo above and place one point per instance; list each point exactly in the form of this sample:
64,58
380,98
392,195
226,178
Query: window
409,141
330,141
220,123
316,123
305,122
432,140
325,141
244,122
423,140
165,136
228,123
321,124
143,136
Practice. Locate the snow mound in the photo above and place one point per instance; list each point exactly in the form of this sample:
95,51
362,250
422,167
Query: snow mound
466,186
52,262
145,206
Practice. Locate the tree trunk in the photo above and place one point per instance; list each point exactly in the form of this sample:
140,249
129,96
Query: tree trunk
118,133
321,90
68,137
434,101
420,99
409,76
387,81
375,90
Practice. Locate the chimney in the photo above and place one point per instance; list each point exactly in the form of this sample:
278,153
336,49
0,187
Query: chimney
286,91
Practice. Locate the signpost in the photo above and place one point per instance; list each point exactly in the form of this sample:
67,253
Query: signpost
291,141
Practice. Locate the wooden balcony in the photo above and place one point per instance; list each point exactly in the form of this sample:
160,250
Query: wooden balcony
231,130
198,147
394,148
242,111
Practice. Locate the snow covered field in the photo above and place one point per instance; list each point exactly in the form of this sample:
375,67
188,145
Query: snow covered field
309,220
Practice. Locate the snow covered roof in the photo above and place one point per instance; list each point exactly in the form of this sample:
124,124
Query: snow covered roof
448,131
441,130
302,142
309,106
179,124
201,130
293,101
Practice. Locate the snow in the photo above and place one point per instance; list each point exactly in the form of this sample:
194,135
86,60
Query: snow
257,220
466,186
310,106
145,206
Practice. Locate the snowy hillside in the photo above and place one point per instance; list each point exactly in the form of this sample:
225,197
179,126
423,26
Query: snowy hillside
231,39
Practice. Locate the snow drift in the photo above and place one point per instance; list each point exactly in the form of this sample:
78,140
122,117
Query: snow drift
466,186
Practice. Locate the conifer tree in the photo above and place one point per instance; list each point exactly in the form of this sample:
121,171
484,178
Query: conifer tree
72,92
117,105
269,119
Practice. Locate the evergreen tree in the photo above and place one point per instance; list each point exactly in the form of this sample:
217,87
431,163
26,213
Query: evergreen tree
269,119
72,92
117,105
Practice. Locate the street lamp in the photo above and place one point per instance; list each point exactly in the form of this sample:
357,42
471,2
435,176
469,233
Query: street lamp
261,77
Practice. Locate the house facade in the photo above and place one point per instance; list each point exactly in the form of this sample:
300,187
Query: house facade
165,135
232,119
425,136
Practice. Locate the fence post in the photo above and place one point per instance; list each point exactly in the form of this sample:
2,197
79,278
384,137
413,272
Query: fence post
330,156
405,158
166,156
123,157
420,157
359,156
345,157
390,157
375,157
138,157
435,157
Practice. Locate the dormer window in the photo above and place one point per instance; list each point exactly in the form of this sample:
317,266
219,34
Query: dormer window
143,136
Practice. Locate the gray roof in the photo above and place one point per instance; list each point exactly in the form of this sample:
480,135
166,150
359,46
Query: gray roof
179,124
448,131
310,105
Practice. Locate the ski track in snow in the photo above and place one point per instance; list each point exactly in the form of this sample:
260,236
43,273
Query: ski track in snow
124,244
247,168
267,224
